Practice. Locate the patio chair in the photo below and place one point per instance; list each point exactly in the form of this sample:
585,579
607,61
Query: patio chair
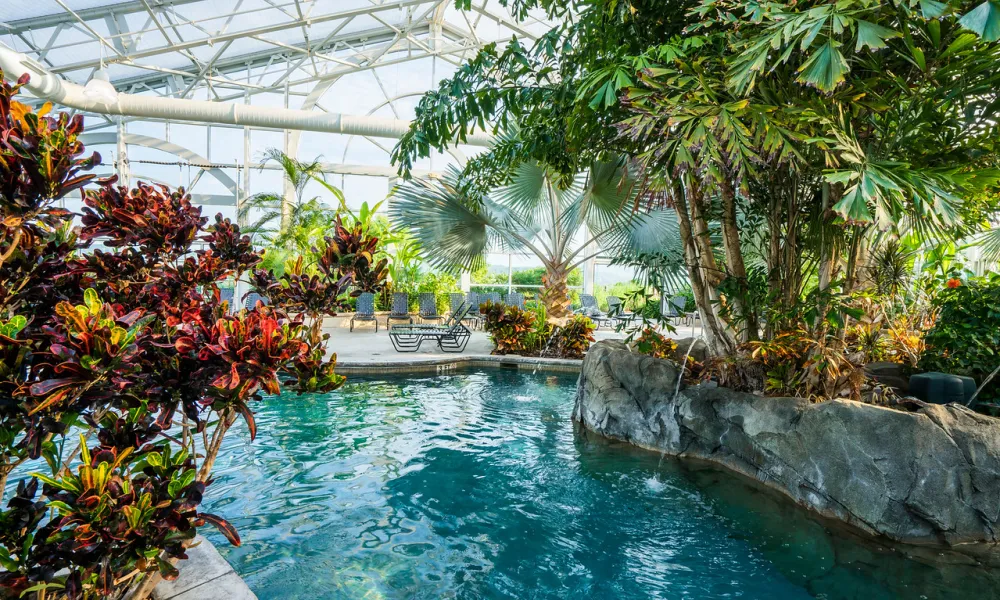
428,308
515,299
474,315
617,312
677,306
589,309
365,310
400,310
227,295
451,337
493,297
252,298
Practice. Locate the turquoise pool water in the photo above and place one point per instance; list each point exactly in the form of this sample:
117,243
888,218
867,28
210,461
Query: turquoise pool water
476,485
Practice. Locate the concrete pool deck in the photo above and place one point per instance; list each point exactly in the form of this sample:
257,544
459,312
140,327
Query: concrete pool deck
365,351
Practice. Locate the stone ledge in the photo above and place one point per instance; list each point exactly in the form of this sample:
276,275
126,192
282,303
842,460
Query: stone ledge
925,477
205,575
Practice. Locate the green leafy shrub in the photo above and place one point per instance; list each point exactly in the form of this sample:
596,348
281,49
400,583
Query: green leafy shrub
965,340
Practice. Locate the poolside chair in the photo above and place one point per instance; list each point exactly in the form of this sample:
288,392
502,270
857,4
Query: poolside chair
252,298
617,312
428,308
493,297
227,295
474,315
515,299
676,308
589,309
400,309
453,336
365,310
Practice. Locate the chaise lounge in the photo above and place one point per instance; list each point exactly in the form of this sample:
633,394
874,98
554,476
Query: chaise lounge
453,336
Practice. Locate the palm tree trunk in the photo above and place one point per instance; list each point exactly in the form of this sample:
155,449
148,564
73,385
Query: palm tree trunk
556,292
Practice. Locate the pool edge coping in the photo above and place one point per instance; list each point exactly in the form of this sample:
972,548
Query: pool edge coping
204,566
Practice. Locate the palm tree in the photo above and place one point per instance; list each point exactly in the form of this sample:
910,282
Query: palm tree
290,224
563,223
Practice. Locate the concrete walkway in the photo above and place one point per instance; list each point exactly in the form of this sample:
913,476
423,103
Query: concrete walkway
365,347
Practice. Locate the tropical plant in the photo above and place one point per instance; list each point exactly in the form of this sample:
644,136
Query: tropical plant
127,349
508,327
573,339
313,296
351,252
539,212
288,224
965,340
815,123
652,343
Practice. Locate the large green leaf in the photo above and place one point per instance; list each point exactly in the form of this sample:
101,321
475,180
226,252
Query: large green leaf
984,20
825,68
873,36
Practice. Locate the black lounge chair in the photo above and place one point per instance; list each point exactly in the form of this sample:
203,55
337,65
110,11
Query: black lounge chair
474,315
453,336
365,310
617,312
428,308
400,309
227,295
515,299
589,309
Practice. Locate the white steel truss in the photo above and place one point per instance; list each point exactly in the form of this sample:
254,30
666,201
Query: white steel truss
300,52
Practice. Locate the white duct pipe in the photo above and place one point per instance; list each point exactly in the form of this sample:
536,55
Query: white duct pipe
49,86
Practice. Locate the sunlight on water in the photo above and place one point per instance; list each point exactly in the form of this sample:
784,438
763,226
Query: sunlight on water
476,485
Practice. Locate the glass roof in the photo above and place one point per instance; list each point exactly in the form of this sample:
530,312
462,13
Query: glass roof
356,57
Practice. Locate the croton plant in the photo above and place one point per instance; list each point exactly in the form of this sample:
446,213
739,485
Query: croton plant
121,369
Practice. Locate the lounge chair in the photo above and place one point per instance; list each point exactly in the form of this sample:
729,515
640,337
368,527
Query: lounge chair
453,336
365,310
428,308
589,309
474,315
252,299
400,309
515,299
617,312
493,297
675,310
227,295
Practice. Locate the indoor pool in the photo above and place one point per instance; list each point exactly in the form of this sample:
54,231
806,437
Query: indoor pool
475,484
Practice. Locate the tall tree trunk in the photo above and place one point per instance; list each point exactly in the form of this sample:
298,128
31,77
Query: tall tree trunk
718,336
828,258
702,237
735,263
774,258
556,293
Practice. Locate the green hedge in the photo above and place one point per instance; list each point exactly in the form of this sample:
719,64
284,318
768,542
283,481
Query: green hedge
965,340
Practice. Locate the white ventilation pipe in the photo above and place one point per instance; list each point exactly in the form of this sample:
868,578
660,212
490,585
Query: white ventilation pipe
48,86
